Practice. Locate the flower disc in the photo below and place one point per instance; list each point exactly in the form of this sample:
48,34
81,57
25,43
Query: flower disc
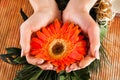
60,44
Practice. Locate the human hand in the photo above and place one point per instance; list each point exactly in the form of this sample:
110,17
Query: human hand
45,11
78,12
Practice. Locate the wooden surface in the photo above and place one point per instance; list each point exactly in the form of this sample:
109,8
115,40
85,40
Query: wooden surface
10,20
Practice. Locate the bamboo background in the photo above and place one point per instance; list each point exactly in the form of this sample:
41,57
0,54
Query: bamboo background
10,21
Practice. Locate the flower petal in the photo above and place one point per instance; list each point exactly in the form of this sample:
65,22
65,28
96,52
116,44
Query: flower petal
75,55
46,32
35,45
64,27
75,37
57,25
37,41
35,52
52,28
68,31
41,36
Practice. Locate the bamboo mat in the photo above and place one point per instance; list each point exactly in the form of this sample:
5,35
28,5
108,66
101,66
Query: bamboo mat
10,20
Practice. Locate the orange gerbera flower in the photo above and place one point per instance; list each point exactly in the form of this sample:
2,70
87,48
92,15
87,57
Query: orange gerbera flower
61,45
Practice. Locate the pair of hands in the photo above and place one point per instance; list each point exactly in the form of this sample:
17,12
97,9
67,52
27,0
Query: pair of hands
45,11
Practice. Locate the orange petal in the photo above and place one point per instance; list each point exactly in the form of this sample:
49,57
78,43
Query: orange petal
35,52
81,50
41,36
64,27
37,41
52,28
46,32
67,61
55,63
40,56
62,66
72,31
75,37
57,25
75,55
68,31
70,27
48,28
81,37
35,45
81,43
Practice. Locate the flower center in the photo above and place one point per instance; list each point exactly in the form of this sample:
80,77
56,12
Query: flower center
58,48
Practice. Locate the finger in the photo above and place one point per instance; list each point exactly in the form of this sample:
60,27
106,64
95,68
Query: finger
46,66
74,67
31,25
94,38
34,61
25,35
39,62
68,69
89,26
86,61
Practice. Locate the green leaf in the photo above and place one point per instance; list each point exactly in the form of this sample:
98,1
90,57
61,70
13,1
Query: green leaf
36,75
24,16
14,50
82,74
62,77
94,66
20,60
28,72
68,76
13,56
103,32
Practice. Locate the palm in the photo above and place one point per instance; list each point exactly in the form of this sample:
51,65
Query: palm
89,27
34,23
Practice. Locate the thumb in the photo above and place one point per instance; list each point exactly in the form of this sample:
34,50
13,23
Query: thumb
25,35
94,38
34,61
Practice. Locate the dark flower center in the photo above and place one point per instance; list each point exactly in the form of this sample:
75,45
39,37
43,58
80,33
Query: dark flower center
58,48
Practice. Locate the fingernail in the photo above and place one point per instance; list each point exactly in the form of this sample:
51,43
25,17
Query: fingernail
68,69
40,62
97,54
72,68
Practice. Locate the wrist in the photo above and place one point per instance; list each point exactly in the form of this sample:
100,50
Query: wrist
41,4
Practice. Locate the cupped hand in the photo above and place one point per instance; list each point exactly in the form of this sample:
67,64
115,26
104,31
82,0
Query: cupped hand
78,12
42,16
